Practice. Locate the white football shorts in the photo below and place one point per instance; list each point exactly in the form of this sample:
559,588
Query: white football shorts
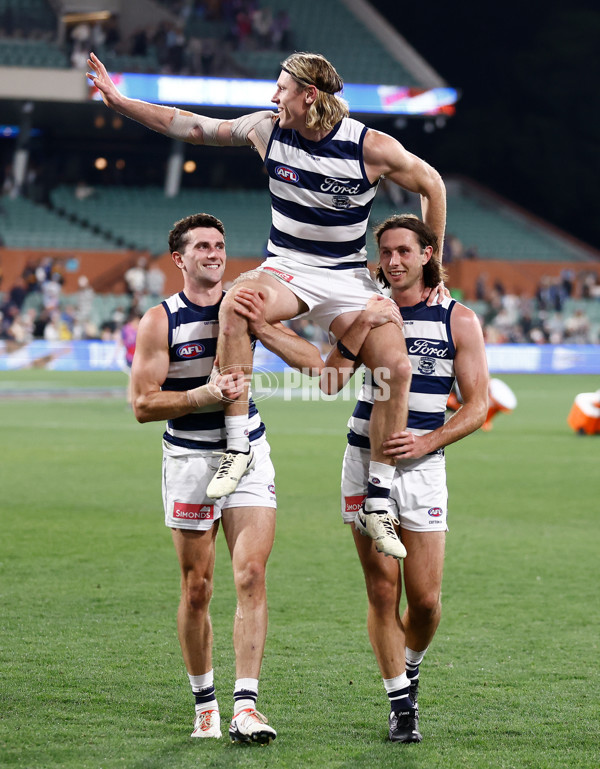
419,496
327,293
186,475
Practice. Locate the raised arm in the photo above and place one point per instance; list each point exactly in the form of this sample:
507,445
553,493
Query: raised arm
384,156
149,371
470,366
248,130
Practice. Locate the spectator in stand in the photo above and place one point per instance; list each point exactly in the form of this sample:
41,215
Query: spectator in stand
118,317
112,36
175,50
262,22
567,278
281,34
242,29
29,276
155,283
84,300
590,286
481,291
453,248
135,279
55,330
16,295
194,55
51,291
578,328
8,314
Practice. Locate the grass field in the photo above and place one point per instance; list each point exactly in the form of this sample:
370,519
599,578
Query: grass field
91,672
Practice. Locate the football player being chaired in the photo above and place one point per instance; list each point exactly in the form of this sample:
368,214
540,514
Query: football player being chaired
324,169
173,378
444,342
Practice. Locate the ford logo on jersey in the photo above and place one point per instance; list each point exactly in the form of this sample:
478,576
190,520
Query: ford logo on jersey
287,174
190,350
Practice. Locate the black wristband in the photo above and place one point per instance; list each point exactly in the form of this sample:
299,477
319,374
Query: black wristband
345,351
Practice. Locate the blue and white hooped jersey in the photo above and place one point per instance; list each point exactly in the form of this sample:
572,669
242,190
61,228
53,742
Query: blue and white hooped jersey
193,332
431,352
320,197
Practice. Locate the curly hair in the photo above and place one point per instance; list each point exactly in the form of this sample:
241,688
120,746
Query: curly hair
433,271
178,235
313,69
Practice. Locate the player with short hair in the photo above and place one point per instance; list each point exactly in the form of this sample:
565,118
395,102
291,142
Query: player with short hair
324,168
444,342
174,378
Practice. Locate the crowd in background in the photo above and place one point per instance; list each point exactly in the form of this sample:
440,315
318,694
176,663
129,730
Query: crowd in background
36,307
545,318
178,47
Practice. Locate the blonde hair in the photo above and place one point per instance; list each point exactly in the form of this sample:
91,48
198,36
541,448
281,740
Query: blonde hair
313,69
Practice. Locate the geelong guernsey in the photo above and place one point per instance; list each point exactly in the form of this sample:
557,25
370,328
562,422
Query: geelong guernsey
193,332
431,352
320,196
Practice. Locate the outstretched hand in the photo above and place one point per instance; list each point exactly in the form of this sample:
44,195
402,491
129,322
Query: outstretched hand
101,79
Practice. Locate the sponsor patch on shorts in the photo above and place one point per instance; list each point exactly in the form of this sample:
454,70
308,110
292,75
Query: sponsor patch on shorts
353,504
435,512
183,512
280,274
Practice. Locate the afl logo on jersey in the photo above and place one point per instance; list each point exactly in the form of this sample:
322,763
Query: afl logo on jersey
190,350
287,174
435,512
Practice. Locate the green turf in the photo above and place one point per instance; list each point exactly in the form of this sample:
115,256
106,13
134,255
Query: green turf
90,668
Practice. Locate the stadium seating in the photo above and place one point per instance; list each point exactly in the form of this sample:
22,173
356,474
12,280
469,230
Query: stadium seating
331,29
142,216
31,53
26,16
499,231
350,37
122,62
28,225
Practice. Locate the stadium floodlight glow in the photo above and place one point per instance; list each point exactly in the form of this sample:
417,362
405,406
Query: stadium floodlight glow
12,131
256,94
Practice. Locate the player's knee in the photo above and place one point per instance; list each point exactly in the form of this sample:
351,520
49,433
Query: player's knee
401,369
196,593
383,595
250,577
395,371
230,322
426,605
